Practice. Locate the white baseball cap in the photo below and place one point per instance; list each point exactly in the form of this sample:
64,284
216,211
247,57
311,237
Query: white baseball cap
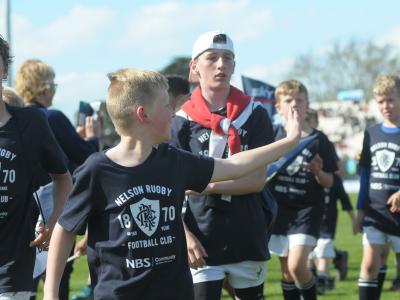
212,40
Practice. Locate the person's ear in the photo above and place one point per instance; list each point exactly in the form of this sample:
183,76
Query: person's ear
5,73
193,65
194,72
141,114
277,107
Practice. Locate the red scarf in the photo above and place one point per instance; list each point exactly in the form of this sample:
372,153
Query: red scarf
196,108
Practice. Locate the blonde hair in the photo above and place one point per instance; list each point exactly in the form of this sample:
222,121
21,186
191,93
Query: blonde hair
386,84
290,87
33,78
11,97
129,88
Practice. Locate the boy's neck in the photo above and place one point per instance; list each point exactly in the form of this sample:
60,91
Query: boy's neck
391,124
306,129
130,151
215,98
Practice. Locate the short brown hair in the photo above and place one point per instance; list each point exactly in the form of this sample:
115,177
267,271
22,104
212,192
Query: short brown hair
386,84
33,78
5,53
290,87
129,88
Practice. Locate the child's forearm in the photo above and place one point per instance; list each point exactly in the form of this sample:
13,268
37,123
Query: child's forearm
242,163
251,183
60,247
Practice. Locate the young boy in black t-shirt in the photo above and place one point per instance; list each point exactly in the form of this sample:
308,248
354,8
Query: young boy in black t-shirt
379,197
130,197
26,145
298,189
325,249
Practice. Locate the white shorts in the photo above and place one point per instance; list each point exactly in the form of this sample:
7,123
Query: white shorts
240,275
375,236
324,248
281,244
15,296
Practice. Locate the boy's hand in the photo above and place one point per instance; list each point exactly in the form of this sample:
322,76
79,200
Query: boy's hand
81,131
293,126
316,165
206,191
355,225
358,221
196,251
191,193
42,239
80,248
394,202
92,127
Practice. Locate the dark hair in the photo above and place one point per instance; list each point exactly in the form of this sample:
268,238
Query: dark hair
178,85
220,39
5,52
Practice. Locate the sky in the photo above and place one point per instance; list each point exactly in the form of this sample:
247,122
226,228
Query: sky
84,40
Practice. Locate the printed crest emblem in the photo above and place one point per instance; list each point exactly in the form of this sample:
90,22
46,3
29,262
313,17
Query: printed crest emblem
385,159
146,214
294,167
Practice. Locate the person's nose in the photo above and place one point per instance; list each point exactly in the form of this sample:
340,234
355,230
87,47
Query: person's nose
221,62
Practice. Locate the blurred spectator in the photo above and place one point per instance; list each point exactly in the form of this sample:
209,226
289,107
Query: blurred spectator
344,123
179,91
35,83
11,97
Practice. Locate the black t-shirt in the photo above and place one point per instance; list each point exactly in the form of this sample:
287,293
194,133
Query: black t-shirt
381,154
231,231
299,196
24,140
137,247
336,192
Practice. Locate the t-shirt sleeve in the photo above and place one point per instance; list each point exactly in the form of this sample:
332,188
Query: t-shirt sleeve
341,194
196,170
262,130
180,133
76,148
51,157
327,153
365,157
80,203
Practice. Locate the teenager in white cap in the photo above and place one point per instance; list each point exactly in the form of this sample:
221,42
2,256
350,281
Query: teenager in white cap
225,239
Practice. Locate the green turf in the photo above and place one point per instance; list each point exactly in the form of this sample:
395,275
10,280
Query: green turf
345,290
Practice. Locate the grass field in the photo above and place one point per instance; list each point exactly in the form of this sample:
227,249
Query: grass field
345,290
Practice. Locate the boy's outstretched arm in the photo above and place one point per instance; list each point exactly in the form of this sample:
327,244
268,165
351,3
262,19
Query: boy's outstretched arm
62,185
253,182
242,163
59,250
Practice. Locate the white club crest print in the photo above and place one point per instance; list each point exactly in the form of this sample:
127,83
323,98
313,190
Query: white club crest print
294,167
385,159
146,214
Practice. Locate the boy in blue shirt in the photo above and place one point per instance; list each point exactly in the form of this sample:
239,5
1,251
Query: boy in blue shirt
379,197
